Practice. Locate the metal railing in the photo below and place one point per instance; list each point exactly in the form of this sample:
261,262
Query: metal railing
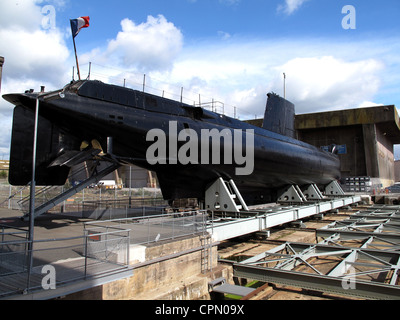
102,250
95,254
150,229
123,208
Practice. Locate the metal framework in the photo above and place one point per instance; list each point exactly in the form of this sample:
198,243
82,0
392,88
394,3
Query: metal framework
358,257
227,225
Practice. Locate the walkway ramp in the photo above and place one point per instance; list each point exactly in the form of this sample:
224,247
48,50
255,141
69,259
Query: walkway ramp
50,197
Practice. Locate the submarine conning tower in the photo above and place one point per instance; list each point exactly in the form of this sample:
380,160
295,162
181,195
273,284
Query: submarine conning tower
279,116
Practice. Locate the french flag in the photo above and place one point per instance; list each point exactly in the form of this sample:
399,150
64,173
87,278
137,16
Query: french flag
78,24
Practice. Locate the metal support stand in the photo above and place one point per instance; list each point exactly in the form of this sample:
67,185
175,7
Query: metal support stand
293,194
334,189
312,192
224,196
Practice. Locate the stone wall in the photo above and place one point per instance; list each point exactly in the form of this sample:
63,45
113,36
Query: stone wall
167,271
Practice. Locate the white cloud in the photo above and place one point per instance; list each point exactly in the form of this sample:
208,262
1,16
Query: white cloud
152,45
33,56
20,14
45,61
330,83
321,74
367,104
30,51
291,6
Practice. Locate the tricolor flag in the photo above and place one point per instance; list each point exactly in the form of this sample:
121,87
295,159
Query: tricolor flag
78,24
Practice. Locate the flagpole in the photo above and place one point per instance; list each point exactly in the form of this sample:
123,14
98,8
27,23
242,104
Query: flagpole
76,56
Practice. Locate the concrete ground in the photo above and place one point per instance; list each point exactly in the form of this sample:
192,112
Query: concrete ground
47,226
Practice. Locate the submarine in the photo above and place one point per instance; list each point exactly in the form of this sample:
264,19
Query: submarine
188,147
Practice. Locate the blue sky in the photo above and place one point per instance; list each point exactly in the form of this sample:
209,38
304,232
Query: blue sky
234,51
254,18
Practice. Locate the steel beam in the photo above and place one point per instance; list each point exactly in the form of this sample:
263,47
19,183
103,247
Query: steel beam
317,282
345,235
335,280
378,228
232,225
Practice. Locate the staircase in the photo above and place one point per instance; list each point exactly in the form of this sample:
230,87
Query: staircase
49,197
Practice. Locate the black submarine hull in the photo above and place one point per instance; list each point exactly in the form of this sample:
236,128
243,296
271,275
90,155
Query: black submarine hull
92,110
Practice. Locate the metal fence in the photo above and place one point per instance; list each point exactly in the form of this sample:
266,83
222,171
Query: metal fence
13,247
72,259
14,197
123,208
150,229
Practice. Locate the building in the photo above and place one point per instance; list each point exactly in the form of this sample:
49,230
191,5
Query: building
397,170
136,177
364,137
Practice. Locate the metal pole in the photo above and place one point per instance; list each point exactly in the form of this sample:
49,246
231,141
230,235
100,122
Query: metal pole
9,198
130,186
181,94
284,85
86,252
76,58
1,69
90,70
32,196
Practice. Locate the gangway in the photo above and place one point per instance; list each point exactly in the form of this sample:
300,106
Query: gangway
75,187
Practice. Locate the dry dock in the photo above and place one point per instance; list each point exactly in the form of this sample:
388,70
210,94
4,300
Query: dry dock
171,258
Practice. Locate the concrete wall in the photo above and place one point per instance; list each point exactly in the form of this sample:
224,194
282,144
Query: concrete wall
385,157
369,150
353,163
397,170
379,154
368,133
165,271
140,177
